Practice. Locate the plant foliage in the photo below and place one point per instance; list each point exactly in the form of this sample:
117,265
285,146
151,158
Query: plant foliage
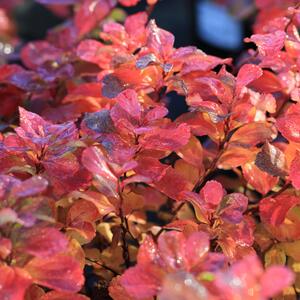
95,176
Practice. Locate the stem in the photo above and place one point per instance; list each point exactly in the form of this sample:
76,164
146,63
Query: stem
150,9
209,172
213,166
103,266
126,256
254,207
129,232
283,188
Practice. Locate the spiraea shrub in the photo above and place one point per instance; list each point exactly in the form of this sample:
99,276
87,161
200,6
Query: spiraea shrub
102,196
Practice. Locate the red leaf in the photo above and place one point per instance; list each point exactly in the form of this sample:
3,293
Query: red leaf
44,242
289,126
59,272
135,25
192,152
83,210
13,283
38,133
117,291
179,252
90,13
160,41
31,124
246,75
295,171
274,210
23,79
260,180
89,50
236,156
151,168
34,292
172,184
156,113
247,278
94,160
267,83
252,134
11,97
166,139
64,166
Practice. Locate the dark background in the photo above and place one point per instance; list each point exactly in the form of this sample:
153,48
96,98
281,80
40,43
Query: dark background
176,16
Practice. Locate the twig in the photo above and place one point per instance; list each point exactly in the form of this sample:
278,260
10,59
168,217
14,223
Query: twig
150,9
283,188
213,166
103,266
126,256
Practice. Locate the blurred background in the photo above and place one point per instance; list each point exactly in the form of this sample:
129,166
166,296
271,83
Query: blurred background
216,26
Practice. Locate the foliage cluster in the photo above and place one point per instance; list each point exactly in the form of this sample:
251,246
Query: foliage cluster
97,182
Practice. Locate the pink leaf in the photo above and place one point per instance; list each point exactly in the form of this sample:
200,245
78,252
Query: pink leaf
129,2
268,44
246,75
196,247
142,281
128,100
212,193
275,279
148,252
30,187
171,247
89,50
232,207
